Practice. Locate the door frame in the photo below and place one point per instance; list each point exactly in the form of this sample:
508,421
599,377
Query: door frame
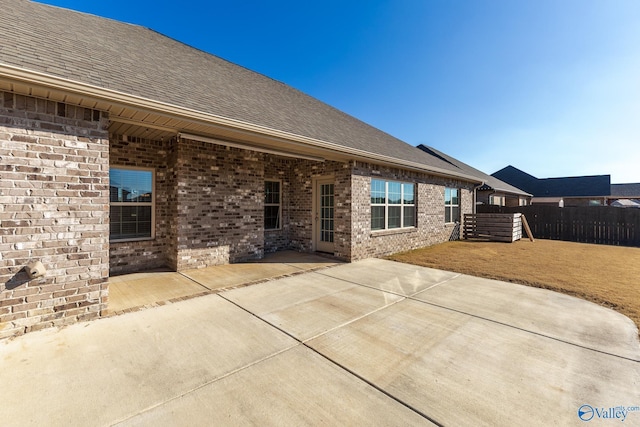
315,213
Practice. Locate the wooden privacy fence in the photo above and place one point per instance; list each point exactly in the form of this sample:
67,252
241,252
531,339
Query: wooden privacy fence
606,225
499,227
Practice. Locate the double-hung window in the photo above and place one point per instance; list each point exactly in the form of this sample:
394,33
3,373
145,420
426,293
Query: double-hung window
272,205
392,205
451,205
497,200
131,202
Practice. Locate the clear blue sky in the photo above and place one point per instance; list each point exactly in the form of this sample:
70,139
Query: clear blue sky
549,86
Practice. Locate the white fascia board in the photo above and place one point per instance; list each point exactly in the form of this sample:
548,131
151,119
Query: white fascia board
120,98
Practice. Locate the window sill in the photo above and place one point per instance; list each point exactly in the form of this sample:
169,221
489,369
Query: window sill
139,239
380,233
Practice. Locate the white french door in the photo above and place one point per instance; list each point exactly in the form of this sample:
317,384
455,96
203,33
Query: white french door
324,215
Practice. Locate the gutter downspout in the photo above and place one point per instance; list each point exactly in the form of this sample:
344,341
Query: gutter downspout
475,197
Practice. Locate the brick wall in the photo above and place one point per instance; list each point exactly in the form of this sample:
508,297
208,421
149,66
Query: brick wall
343,206
126,257
219,204
303,175
210,204
210,207
279,169
54,208
301,206
431,228
353,236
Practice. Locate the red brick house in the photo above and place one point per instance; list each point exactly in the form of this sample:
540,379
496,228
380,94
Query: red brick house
123,150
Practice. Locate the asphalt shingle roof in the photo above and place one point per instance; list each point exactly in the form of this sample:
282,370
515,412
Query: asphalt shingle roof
490,182
138,61
577,186
626,190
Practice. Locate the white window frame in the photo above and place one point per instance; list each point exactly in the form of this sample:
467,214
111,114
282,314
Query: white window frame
500,199
386,205
152,204
279,204
449,207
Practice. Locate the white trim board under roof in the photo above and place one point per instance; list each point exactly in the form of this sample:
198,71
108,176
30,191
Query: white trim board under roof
247,147
63,90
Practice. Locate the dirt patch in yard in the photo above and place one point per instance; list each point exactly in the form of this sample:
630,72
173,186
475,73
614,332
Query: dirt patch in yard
606,275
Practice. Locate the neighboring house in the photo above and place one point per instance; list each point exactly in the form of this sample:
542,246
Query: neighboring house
570,191
625,195
123,150
492,191
625,203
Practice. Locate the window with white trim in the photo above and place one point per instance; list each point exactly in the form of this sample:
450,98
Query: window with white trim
497,200
393,205
272,205
451,205
131,203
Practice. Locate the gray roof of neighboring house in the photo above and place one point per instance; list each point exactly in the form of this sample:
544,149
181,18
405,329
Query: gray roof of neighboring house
517,178
626,190
490,182
626,203
578,186
141,62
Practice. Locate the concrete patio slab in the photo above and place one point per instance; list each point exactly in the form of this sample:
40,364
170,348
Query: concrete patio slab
541,311
277,264
302,260
390,276
370,357
131,292
232,275
109,370
308,307
462,370
140,289
294,388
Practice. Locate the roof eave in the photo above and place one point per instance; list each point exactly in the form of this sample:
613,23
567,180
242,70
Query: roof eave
519,193
30,77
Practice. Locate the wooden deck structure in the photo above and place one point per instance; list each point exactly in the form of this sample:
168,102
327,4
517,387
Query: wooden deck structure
493,226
